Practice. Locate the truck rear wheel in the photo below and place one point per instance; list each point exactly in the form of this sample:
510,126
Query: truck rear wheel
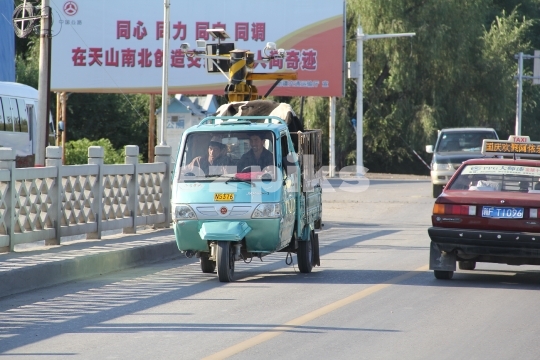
207,266
443,275
305,255
225,261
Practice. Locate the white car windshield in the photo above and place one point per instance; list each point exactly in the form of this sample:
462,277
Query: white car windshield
240,155
463,141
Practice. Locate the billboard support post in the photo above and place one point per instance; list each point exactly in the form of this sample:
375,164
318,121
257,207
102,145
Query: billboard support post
63,100
360,37
43,84
152,128
165,85
58,117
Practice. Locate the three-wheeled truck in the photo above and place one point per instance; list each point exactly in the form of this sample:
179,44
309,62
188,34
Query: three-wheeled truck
247,182
227,209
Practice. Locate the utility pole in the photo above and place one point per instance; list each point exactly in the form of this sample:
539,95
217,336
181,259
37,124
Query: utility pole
535,80
44,84
517,130
165,90
332,122
357,70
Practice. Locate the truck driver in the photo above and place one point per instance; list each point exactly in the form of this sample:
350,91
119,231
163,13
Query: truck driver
215,162
258,157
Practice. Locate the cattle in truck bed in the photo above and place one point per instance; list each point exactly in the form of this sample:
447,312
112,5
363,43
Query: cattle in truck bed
263,108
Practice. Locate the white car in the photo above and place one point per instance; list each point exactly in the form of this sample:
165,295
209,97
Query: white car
453,147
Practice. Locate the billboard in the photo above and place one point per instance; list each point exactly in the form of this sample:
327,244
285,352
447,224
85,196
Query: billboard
117,46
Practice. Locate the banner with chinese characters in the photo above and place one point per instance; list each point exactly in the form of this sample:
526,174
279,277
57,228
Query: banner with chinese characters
510,148
501,170
117,46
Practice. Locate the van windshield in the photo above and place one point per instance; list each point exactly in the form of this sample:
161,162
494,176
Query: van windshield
463,141
231,155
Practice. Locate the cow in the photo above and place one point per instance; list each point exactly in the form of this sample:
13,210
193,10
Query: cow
263,108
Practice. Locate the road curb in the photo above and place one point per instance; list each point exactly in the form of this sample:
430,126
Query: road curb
62,270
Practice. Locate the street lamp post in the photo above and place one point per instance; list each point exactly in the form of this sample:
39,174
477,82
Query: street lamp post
520,77
360,38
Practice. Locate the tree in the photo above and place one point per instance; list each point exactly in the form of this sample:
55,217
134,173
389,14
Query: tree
27,64
443,77
77,152
118,117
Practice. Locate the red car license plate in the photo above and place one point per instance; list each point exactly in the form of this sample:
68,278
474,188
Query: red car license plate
502,212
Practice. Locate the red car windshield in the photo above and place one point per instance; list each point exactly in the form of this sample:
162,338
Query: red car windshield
498,178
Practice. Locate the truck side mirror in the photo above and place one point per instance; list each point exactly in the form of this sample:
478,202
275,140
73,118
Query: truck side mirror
429,149
60,126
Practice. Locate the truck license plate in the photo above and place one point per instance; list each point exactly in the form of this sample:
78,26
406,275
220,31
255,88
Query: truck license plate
502,212
223,197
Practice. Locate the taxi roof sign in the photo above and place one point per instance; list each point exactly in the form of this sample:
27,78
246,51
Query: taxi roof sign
515,145
519,139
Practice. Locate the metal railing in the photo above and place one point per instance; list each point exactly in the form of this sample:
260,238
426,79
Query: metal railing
64,200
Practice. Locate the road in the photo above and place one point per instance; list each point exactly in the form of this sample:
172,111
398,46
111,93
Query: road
372,298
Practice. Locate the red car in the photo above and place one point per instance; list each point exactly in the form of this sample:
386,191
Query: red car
488,212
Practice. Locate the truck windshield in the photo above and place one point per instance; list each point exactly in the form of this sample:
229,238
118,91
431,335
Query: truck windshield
498,178
232,155
463,141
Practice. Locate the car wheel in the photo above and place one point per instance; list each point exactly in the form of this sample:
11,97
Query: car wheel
437,190
467,265
443,275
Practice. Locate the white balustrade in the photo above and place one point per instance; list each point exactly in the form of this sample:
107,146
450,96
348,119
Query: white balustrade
64,200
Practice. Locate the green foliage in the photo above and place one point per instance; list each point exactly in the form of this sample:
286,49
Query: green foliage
123,119
77,152
27,65
457,71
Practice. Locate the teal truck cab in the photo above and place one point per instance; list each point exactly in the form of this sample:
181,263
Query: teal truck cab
245,187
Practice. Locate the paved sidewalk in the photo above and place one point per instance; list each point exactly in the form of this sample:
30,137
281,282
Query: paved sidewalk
45,266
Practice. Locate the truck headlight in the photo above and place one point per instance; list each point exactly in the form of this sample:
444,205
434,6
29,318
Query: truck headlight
267,211
437,166
184,212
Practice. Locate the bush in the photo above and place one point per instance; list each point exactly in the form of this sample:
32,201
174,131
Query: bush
77,152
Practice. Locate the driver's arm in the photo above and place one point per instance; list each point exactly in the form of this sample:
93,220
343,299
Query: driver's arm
242,163
194,163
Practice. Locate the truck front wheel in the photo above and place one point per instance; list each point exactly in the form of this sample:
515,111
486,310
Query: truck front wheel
225,261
